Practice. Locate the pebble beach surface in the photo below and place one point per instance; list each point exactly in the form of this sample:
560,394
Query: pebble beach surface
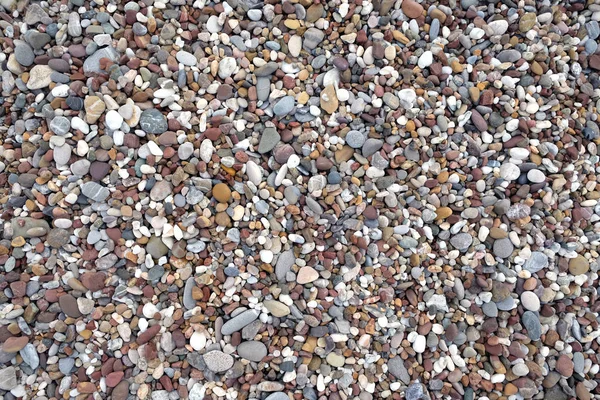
370,199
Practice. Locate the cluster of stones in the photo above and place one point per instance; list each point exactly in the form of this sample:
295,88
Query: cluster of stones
299,199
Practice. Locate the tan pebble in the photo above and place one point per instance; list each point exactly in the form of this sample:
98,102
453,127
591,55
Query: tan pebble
221,192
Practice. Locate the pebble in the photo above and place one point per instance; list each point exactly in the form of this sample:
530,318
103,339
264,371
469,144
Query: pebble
8,378
24,54
186,58
252,350
239,321
530,301
269,139
307,275
153,121
217,361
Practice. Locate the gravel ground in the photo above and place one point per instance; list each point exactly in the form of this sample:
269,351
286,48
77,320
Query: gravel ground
375,199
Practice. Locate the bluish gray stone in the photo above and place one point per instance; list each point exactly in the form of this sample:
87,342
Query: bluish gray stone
434,30
263,88
371,146
266,70
188,300
396,367
355,139
153,121
507,304
65,365
95,191
252,350
593,29
531,322
284,106
312,37
239,321
414,391
269,138
92,64
60,126
277,396
284,264
30,356
8,378
36,39
490,309
536,262
23,53
462,241
510,55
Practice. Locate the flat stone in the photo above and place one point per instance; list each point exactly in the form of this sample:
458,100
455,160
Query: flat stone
531,322
14,344
269,138
503,248
536,262
94,108
329,100
8,378
217,361
284,106
462,241
530,301
221,192
23,53
94,191
239,321
252,350
371,146
312,38
186,58
285,261
65,365
60,126
393,101
277,396
188,299
226,67
396,367
564,365
276,308
58,237
579,265
307,275
412,9
68,305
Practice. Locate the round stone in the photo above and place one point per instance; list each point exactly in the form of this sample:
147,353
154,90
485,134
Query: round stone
355,139
252,350
579,265
530,301
221,193
509,171
503,248
536,176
